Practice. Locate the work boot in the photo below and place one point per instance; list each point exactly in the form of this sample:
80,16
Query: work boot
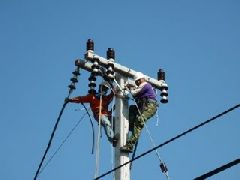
126,149
114,142
115,139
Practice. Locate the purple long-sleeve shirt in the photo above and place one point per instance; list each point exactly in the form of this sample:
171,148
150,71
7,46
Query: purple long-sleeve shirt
145,90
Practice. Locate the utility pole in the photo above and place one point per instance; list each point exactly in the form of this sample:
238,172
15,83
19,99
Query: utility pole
100,66
121,129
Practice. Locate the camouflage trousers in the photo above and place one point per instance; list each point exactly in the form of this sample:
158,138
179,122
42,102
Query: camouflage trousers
147,111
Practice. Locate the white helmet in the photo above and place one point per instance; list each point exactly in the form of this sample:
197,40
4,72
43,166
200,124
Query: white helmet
138,76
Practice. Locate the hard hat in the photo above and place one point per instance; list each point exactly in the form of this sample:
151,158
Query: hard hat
138,76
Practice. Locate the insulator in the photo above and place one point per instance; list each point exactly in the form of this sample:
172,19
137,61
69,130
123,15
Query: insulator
110,53
77,63
92,78
74,80
92,81
164,99
110,68
161,75
110,76
72,86
76,73
95,63
164,93
95,66
90,45
110,72
92,85
92,91
164,86
95,70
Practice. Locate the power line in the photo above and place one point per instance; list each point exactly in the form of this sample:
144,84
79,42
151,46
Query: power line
50,140
171,140
63,142
218,170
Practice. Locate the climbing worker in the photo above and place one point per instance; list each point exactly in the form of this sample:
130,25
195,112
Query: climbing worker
145,98
95,100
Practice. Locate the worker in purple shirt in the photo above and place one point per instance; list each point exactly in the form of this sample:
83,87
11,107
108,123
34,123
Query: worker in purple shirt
145,98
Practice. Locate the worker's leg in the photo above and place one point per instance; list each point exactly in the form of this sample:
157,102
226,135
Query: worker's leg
107,127
147,112
138,125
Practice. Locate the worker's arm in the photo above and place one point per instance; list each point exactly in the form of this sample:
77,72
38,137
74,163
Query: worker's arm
137,91
110,96
81,99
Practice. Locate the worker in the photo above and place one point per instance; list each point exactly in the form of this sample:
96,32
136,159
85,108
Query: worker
145,98
94,100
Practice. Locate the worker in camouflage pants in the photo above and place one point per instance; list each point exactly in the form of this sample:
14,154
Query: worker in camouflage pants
145,98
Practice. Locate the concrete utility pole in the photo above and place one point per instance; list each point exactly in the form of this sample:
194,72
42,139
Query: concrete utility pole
100,66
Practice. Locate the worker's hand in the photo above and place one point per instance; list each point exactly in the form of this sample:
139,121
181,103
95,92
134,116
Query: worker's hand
129,86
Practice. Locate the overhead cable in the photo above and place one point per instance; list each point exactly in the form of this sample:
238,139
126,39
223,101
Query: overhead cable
171,140
63,142
218,170
50,141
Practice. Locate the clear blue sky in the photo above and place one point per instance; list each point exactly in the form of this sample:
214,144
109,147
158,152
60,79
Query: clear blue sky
196,42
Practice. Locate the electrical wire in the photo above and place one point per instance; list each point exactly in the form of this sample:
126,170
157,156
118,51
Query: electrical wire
172,139
218,170
63,142
50,140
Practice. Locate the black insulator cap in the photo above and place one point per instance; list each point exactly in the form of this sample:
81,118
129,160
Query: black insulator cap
110,53
92,85
164,100
76,73
77,62
90,44
72,86
161,75
92,91
92,78
74,80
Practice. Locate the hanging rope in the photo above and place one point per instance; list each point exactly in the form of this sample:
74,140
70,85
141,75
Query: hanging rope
163,166
112,149
91,121
98,139
134,153
157,116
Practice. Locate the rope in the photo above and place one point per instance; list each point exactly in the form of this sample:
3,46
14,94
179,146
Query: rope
91,121
134,153
50,140
157,116
63,142
162,164
98,139
172,139
112,149
218,170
